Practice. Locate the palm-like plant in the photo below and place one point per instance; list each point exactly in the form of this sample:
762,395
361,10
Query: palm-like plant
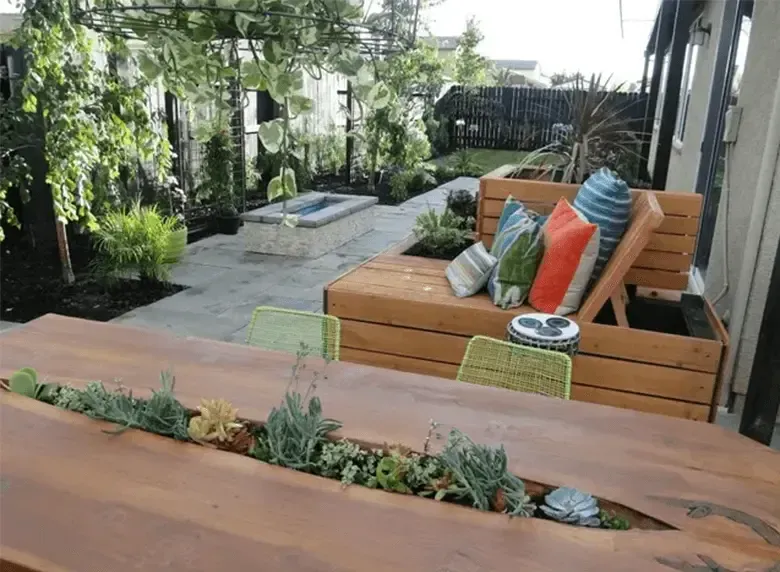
136,241
599,127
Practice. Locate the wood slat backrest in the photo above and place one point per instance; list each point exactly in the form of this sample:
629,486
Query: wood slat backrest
646,216
665,261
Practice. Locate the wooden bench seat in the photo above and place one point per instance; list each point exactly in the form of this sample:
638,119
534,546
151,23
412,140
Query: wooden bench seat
399,312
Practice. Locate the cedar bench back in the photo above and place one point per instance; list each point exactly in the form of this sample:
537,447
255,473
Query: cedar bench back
664,263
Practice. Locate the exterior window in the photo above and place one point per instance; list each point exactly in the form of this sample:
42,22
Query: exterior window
689,69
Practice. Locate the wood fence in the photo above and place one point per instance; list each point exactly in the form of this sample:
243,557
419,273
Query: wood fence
518,118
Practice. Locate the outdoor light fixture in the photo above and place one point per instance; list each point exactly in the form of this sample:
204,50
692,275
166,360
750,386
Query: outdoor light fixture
700,33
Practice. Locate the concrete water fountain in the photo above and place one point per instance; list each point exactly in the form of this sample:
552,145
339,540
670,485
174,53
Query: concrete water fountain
325,222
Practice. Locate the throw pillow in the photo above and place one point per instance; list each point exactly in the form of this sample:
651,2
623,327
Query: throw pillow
511,206
605,200
518,248
470,271
571,246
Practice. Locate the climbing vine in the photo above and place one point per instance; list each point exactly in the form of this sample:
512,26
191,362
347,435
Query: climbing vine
90,122
201,50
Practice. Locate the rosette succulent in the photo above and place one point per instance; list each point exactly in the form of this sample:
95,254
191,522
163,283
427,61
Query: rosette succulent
571,506
216,422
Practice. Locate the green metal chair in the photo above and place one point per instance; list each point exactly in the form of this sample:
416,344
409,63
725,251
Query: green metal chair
498,363
288,330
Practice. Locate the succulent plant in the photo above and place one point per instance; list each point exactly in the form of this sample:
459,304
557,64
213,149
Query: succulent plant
216,422
25,382
571,506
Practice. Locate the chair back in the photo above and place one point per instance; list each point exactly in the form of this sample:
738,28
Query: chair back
294,331
503,364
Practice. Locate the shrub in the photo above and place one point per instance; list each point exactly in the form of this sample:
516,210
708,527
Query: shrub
440,232
462,203
216,173
135,241
399,185
465,166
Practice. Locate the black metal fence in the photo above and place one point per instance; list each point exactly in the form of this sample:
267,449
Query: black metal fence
517,118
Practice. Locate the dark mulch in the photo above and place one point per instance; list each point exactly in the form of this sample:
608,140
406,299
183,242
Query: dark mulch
336,184
448,254
31,286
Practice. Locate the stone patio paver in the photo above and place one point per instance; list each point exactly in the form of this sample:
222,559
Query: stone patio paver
227,283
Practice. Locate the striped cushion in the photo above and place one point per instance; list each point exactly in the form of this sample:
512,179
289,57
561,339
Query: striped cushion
518,248
470,271
605,200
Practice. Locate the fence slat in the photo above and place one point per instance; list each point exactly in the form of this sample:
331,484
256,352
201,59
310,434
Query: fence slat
517,118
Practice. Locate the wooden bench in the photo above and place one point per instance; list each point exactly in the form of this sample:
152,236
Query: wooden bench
663,264
398,311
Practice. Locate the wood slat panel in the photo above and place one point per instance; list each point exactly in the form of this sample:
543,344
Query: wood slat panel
493,188
663,261
680,244
389,306
657,279
644,379
644,403
580,391
588,370
677,225
447,371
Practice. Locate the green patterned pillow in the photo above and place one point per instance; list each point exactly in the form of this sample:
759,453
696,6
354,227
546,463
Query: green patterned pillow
518,247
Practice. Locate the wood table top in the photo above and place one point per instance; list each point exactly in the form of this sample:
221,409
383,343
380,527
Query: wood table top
76,499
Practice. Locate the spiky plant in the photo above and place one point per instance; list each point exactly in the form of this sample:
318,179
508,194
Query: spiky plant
437,232
599,126
295,431
480,475
161,414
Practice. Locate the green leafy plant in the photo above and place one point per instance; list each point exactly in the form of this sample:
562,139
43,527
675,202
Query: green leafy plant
216,172
480,475
295,431
439,232
346,461
470,67
464,165
25,382
161,414
94,123
399,185
136,240
612,521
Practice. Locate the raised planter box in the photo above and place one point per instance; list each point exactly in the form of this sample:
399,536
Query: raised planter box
399,312
325,222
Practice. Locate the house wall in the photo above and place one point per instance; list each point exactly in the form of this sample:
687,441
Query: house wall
684,159
744,160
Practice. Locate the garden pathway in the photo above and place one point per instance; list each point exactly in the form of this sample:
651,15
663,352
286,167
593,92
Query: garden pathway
226,283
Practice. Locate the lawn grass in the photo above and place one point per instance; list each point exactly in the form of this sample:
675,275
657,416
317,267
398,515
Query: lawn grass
487,159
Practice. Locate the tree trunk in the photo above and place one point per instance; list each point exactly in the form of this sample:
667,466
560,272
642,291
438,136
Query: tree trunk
64,250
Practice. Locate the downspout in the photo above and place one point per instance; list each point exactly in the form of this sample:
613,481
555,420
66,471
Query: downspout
758,218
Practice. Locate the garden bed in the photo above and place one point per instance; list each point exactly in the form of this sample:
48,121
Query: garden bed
31,285
335,184
296,435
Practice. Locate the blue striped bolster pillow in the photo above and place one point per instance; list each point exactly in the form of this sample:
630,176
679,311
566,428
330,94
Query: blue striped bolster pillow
605,200
470,271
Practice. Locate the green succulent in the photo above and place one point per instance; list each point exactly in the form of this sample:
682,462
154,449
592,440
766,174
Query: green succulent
612,521
25,382
572,507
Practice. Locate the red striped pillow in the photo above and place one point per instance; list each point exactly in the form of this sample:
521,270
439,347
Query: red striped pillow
571,247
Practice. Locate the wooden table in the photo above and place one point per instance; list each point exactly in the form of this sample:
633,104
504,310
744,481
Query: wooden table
76,499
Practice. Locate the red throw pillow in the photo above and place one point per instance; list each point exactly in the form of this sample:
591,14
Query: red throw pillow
571,248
